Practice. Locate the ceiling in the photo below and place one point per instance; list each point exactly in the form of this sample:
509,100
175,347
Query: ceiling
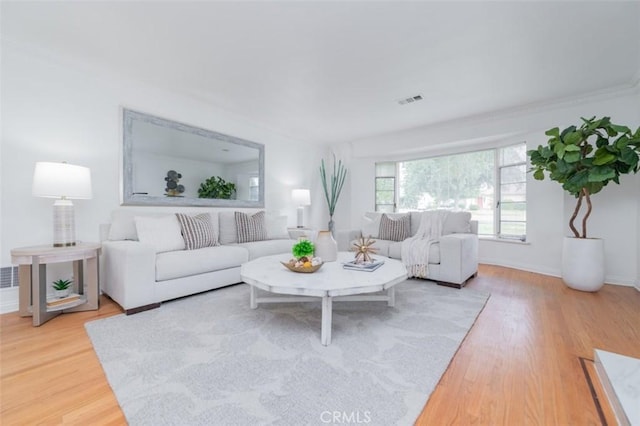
333,71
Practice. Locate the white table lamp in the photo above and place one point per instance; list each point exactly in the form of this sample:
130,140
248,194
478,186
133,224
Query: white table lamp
301,197
64,182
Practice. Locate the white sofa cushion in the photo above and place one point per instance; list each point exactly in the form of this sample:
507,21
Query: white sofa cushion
370,226
228,233
457,223
178,264
123,226
163,233
268,247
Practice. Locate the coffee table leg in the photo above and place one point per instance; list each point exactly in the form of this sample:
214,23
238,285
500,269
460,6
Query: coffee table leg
391,294
252,297
327,308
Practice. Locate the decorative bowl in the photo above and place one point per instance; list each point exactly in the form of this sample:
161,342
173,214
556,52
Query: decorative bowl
290,266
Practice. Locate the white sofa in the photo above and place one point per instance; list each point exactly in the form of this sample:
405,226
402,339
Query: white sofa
140,273
452,260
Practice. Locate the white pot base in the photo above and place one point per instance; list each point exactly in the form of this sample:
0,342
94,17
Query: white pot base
583,263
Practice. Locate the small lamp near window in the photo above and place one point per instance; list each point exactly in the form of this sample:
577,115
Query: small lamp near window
64,182
301,197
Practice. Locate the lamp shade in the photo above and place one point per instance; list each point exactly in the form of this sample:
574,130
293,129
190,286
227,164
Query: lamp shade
301,197
61,180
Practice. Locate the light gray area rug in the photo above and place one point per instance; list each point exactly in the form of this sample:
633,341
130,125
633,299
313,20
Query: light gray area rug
209,359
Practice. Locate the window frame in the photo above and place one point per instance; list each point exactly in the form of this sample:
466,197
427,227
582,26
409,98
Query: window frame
394,205
499,202
497,205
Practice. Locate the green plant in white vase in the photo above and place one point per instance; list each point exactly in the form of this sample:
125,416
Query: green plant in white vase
333,186
584,160
62,287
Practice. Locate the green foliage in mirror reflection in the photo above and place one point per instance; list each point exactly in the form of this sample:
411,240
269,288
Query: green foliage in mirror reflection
216,187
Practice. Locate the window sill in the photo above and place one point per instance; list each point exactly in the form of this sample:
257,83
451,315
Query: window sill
504,240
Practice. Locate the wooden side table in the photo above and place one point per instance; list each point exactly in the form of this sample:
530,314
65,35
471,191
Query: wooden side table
32,275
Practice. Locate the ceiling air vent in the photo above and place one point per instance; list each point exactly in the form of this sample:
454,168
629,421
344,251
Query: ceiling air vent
415,98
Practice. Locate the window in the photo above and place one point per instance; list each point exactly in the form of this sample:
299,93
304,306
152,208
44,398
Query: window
465,181
254,188
385,187
512,200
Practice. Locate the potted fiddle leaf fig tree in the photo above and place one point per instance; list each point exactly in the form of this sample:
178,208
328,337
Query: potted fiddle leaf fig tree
584,160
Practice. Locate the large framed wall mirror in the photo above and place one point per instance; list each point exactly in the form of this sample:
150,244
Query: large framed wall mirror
170,163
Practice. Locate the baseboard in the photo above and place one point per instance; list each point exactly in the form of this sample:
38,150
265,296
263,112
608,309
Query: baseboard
522,267
609,279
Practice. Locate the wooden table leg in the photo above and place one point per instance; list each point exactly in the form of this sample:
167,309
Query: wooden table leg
39,289
24,290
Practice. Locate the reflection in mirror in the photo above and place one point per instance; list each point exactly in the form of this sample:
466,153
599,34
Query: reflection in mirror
170,163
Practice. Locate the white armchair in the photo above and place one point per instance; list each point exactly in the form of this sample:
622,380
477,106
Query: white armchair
453,260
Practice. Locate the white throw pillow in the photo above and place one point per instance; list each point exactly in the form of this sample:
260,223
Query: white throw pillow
370,226
277,227
457,223
228,233
163,233
123,226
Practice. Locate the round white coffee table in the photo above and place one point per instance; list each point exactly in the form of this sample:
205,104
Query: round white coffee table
330,283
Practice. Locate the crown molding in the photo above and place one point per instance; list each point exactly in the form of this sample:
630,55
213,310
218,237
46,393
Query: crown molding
557,103
613,92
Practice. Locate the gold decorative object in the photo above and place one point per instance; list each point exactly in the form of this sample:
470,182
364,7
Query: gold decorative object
363,249
304,269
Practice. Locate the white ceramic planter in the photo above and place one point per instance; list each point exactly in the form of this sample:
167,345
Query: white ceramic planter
583,263
326,247
62,293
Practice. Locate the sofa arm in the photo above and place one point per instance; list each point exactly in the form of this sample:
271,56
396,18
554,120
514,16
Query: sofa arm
458,257
344,238
129,273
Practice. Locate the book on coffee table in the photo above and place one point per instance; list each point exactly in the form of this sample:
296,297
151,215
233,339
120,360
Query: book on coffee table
366,266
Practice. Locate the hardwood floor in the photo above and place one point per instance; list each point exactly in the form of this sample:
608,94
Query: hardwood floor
520,363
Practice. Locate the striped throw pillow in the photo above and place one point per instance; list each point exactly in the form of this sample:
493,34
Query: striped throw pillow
197,231
394,229
251,228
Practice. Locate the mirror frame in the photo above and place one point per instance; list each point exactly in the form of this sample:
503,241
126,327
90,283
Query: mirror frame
131,199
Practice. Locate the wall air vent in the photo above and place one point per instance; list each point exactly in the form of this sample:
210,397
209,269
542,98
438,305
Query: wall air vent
412,99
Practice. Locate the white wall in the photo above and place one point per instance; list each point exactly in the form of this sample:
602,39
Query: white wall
55,110
616,210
